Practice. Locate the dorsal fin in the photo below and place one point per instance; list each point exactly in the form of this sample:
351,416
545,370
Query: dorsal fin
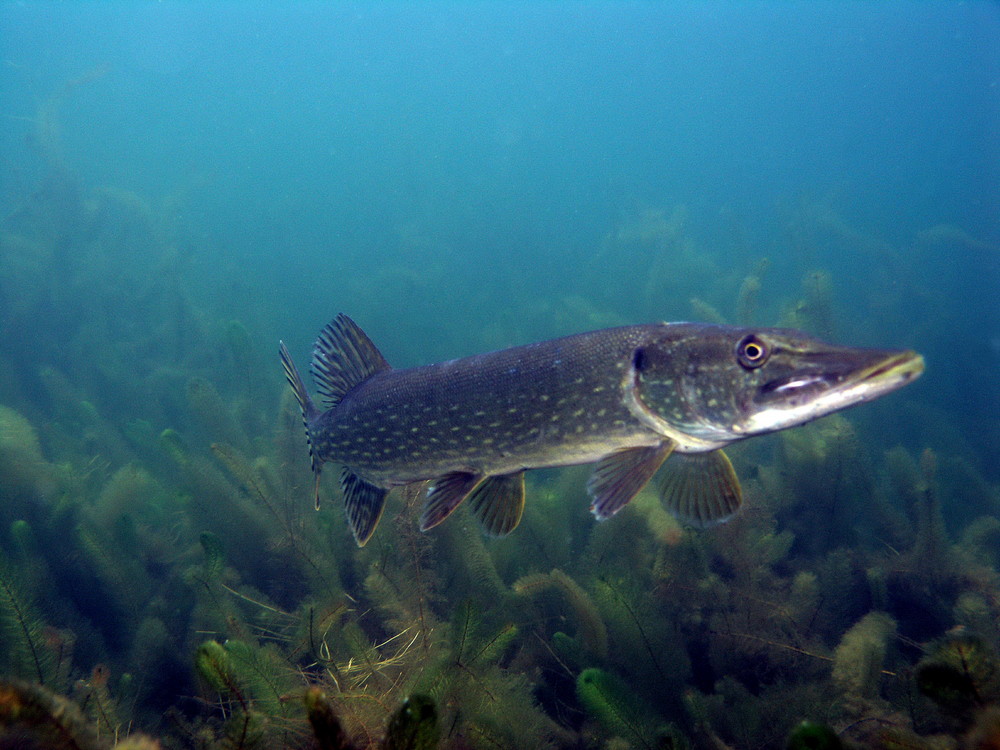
343,357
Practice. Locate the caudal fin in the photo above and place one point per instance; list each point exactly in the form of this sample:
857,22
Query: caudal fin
309,411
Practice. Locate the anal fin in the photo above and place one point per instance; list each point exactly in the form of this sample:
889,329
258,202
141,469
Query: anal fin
619,476
363,503
498,502
444,495
701,489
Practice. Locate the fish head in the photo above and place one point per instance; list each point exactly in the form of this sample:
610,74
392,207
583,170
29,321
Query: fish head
705,386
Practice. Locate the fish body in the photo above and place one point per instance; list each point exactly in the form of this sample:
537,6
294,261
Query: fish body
547,404
626,398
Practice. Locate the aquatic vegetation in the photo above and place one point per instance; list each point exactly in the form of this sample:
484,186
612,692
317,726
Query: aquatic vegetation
162,569
814,311
812,736
213,415
985,731
619,712
251,682
931,546
655,239
324,722
591,631
829,482
961,674
859,661
27,476
22,630
748,297
952,236
33,716
414,726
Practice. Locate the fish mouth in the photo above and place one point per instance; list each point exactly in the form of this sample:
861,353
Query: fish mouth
883,377
805,397
895,371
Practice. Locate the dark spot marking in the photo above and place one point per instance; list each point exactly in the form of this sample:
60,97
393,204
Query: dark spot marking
639,359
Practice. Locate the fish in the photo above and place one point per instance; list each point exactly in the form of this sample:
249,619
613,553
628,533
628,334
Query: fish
626,399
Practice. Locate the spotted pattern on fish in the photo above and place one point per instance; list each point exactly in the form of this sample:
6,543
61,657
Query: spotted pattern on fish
627,398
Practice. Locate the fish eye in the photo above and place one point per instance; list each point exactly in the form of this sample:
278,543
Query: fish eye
751,352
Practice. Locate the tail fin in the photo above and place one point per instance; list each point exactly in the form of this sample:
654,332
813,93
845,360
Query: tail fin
309,411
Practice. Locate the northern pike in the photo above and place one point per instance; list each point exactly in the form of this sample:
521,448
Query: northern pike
626,398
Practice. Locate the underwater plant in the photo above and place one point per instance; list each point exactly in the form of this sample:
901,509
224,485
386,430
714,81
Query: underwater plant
22,631
250,681
414,726
810,735
162,569
961,674
859,661
32,716
748,297
620,712
813,312
592,633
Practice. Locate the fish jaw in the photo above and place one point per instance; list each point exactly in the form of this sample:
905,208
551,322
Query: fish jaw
706,386
807,396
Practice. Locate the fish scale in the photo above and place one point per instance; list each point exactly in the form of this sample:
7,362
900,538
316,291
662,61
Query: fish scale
475,413
627,398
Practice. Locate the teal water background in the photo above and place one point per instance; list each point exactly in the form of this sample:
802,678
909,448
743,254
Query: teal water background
468,160
182,184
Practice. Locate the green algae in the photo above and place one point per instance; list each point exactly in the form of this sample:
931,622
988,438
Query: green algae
162,563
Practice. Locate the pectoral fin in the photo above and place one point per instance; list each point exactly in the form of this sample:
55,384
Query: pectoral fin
446,494
701,489
498,502
618,477
363,503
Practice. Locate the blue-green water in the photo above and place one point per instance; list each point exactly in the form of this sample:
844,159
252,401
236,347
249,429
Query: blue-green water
183,184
